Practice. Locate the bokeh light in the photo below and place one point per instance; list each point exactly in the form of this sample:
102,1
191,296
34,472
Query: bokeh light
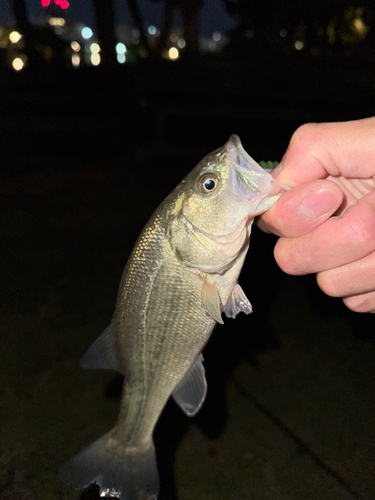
95,59
95,49
76,60
120,48
86,33
18,63
75,46
173,53
15,36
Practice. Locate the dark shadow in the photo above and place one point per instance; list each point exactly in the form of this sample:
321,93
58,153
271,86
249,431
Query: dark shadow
169,431
91,493
114,388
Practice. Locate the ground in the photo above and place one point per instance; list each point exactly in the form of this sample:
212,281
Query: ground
290,408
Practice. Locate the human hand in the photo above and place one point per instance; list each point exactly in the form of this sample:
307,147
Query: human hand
326,223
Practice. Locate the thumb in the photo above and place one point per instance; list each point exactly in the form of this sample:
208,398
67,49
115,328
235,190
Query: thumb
301,209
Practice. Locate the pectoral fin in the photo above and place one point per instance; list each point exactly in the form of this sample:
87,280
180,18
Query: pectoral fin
191,392
101,354
238,302
211,301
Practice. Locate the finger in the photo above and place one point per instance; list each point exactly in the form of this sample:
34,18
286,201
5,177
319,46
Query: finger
302,208
317,150
338,241
351,279
363,303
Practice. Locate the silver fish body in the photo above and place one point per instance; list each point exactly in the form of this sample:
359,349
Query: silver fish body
180,277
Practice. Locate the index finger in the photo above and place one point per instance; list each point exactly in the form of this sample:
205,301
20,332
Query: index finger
336,242
317,150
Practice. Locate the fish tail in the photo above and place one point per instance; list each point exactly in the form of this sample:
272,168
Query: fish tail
120,472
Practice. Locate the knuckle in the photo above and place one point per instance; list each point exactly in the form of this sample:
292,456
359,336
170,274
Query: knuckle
304,138
305,133
361,234
288,256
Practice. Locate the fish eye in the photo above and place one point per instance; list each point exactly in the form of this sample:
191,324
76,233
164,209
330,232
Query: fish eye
208,183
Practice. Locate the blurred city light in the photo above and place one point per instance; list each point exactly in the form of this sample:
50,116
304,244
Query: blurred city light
45,3
56,21
95,59
121,58
181,43
75,46
120,48
152,29
76,60
298,45
283,33
15,36
359,26
95,49
216,36
64,4
173,53
18,63
86,33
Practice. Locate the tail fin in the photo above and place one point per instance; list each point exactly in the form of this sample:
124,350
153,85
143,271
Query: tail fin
122,475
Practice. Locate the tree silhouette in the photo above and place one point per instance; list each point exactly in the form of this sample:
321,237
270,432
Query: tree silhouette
190,19
105,28
166,25
259,23
190,10
27,31
137,18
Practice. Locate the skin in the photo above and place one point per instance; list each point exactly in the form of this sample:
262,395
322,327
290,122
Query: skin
326,223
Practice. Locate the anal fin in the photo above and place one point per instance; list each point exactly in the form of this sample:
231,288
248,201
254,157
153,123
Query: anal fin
191,392
101,354
238,302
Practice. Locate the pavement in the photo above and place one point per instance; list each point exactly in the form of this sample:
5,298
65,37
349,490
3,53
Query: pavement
290,408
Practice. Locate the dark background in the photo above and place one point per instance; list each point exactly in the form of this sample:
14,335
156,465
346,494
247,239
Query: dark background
86,156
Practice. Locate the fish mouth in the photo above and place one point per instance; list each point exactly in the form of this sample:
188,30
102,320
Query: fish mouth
249,180
248,177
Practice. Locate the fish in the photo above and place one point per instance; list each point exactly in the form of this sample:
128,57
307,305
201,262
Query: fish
181,276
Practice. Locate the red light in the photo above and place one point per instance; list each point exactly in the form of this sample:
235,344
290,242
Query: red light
64,4
45,3
57,2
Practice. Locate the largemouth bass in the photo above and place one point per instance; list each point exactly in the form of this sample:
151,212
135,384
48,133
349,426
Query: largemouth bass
181,276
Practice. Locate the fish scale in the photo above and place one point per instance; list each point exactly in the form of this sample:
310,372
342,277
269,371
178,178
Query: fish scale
171,295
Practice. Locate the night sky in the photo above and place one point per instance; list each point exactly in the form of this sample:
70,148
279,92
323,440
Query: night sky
213,15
